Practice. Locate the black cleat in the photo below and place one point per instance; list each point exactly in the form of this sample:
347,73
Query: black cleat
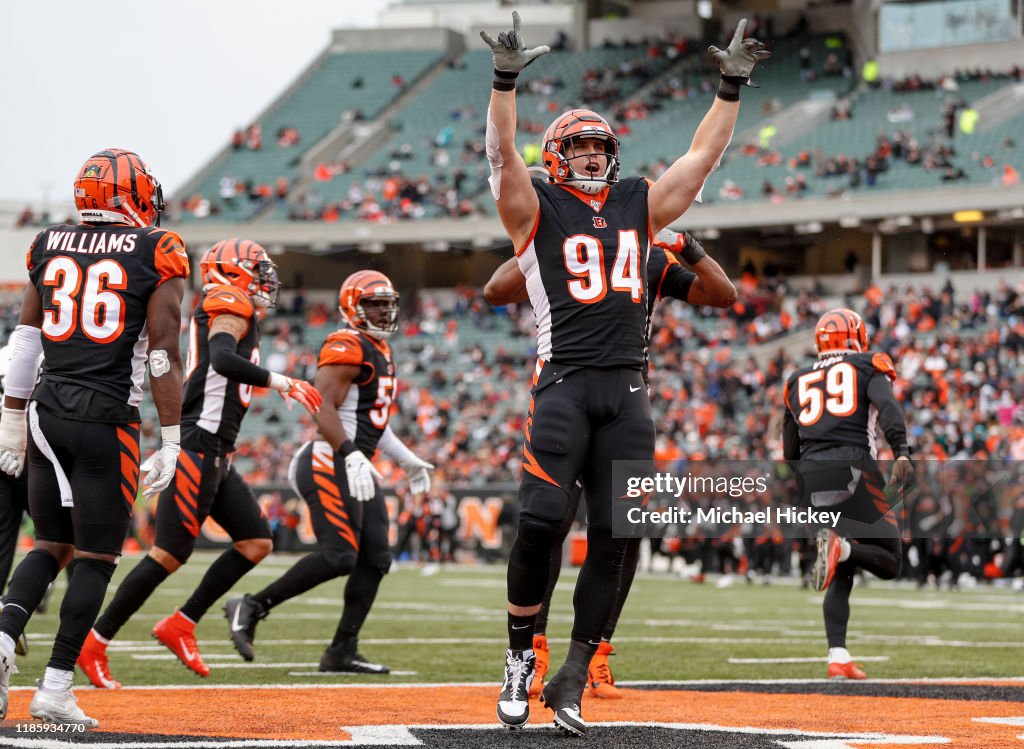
242,615
343,658
514,700
563,695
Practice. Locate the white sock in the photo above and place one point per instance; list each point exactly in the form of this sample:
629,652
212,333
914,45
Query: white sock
6,642
839,655
55,680
100,638
844,550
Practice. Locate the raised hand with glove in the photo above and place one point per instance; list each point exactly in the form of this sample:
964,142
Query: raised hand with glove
737,61
682,242
163,464
511,55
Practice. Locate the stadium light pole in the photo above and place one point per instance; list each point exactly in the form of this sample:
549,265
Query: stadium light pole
876,255
982,247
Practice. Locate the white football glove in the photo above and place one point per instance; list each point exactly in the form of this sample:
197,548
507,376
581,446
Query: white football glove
417,473
360,474
162,464
13,438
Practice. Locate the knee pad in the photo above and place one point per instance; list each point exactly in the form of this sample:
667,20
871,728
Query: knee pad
342,561
536,534
543,500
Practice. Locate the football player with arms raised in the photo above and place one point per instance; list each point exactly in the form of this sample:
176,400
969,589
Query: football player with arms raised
103,300
239,278
833,410
336,478
581,238
705,285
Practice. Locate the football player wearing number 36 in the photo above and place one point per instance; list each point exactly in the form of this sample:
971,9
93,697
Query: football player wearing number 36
103,299
582,237
239,279
336,478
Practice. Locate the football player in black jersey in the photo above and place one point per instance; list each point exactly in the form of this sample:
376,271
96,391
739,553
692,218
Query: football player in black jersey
705,285
223,367
357,378
581,238
13,506
104,297
833,410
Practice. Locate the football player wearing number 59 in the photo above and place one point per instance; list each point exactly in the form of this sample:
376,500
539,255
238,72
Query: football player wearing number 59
334,475
582,236
834,409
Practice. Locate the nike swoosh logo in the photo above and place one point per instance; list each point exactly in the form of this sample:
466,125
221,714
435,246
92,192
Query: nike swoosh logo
228,299
189,655
522,627
235,626
633,389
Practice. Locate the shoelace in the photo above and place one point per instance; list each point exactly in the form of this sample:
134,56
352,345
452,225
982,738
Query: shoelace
604,674
514,669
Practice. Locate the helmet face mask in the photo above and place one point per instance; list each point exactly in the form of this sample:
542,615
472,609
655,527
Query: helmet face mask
368,302
567,167
244,265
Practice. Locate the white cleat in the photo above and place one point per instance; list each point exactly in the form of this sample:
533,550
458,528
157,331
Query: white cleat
59,706
7,668
514,700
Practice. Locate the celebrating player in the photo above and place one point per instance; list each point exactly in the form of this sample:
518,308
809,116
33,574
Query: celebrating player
833,408
706,284
104,298
223,367
581,238
357,378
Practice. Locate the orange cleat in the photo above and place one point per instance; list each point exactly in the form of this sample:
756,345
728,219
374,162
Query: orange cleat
848,670
825,564
179,635
599,677
540,666
93,662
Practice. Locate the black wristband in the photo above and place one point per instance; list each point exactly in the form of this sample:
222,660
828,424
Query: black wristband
692,252
902,451
504,80
347,448
729,87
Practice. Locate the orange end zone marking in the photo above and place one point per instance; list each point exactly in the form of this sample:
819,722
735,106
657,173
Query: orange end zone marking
318,714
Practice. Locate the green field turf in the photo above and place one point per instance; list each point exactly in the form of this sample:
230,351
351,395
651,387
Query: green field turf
450,627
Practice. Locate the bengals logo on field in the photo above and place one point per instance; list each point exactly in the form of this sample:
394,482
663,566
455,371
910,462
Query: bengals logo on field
600,223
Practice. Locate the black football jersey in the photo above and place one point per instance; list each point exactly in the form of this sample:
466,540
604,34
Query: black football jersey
367,407
94,282
212,403
829,401
586,270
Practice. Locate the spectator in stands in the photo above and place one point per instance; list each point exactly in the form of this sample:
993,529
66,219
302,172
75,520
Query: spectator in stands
25,218
287,136
1011,177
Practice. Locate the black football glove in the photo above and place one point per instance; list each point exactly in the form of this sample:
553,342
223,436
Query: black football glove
737,61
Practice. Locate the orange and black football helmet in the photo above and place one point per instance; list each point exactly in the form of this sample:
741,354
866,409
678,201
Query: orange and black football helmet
559,154
116,186
840,331
368,302
244,264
